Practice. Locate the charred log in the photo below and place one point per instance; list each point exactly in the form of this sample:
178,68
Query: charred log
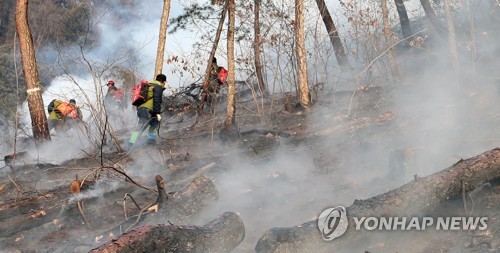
220,235
420,195
191,199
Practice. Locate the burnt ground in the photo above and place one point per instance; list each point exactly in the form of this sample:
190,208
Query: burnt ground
284,170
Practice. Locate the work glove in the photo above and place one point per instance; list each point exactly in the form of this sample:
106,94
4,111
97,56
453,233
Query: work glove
158,117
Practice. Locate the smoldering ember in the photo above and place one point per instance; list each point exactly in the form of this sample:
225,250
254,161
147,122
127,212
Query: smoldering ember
236,126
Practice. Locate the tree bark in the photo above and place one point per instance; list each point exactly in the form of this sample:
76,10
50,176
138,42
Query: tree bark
408,200
388,39
220,235
404,20
257,51
452,38
35,102
204,85
230,121
162,38
431,15
300,51
338,47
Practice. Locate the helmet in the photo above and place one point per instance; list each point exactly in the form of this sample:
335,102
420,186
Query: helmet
111,83
144,81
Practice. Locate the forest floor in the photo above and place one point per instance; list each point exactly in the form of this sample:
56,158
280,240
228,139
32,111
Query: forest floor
285,169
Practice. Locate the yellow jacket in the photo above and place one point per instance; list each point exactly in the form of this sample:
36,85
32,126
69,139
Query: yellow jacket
155,95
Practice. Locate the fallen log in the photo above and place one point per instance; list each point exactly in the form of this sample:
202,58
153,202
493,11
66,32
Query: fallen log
191,199
408,200
356,124
220,235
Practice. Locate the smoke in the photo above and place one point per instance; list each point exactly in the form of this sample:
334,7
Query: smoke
98,190
439,120
441,117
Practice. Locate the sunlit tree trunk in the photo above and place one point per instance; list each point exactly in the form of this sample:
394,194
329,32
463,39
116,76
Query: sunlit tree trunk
300,50
162,37
256,49
403,19
388,38
452,37
338,47
212,55
231,103
35,101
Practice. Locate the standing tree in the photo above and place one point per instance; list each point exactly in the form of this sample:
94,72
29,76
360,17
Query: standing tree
257,49
230,122
338,47
300,50
388,38
403,19
162,37
431,15
452,37
211,57
35,102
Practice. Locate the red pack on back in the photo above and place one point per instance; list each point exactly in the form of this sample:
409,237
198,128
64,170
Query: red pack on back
223,75
140,93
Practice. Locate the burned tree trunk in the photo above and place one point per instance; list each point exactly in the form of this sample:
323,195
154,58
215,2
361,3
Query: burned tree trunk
417,196
431,15
30,69
403,19
220,235
333,33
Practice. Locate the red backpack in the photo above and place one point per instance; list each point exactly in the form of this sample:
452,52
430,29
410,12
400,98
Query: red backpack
222,75
140,93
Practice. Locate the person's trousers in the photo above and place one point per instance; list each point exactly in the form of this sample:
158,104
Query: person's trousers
146,120
55,123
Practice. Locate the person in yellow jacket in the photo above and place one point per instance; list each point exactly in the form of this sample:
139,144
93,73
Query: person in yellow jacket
56,119
149,112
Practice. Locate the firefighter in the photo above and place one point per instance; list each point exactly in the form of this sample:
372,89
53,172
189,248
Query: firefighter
149,112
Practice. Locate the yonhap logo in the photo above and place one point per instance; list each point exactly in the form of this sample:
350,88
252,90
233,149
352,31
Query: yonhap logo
332,222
